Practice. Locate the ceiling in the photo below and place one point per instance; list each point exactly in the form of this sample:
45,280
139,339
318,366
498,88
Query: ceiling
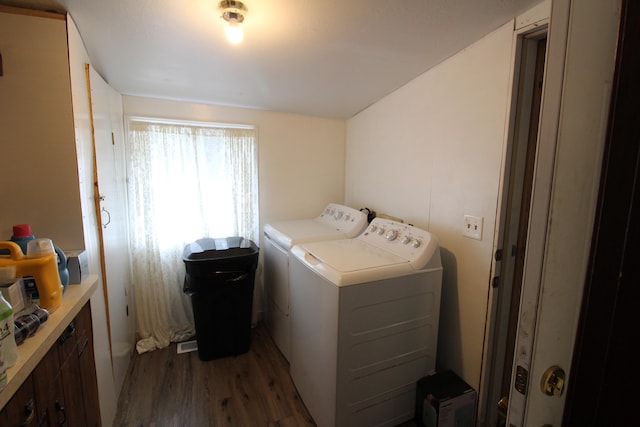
328,58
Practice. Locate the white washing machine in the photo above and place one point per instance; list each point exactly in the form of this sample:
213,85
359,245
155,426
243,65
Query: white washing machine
335,222
364,326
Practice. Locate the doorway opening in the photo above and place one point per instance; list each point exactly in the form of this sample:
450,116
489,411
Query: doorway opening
516,204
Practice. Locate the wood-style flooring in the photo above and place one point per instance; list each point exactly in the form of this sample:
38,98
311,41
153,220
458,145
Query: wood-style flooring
163,388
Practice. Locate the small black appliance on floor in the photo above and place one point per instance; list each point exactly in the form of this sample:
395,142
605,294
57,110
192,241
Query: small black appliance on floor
443,399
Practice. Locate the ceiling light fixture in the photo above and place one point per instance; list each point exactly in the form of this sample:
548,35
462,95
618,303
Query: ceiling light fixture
233,12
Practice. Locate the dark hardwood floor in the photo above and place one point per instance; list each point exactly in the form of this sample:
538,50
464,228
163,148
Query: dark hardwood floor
163,388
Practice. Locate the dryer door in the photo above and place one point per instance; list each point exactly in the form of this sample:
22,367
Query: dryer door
276,289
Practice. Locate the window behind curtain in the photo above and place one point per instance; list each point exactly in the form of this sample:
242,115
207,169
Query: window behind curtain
185,181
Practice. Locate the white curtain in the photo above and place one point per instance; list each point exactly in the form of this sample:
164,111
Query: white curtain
185,182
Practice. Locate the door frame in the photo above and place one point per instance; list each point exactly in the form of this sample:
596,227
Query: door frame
533,24
511,215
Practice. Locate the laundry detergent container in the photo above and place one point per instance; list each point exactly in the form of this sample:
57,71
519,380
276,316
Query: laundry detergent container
220,276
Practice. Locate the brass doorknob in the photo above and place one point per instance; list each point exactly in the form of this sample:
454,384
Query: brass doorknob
503,406
552,383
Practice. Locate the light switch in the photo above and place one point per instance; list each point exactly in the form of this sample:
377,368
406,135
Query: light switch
472,227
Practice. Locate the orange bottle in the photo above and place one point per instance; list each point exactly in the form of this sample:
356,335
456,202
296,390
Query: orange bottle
43,268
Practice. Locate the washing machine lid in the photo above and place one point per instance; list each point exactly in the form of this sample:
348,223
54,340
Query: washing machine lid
347,255
286,234
384,250
350,261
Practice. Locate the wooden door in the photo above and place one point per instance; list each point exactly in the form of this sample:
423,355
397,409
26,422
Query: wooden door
604,371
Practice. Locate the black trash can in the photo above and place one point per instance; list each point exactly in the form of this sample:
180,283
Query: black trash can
220,275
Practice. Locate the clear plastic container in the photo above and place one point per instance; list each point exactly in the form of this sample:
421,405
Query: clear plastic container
37,248
7,330
3,371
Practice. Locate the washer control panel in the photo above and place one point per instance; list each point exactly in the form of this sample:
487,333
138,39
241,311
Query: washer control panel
343,218
404,240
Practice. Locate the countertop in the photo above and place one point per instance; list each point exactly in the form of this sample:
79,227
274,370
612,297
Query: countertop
34,348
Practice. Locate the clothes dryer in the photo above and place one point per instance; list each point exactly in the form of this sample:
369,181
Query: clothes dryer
364,323
334,222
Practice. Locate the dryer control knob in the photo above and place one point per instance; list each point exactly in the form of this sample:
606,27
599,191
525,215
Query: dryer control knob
405,240
391,235
373,229
416,243
339,214
380,231
347,217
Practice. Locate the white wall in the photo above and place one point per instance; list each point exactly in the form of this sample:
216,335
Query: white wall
430,153
301,158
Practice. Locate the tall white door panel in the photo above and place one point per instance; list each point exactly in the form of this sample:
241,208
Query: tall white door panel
108,129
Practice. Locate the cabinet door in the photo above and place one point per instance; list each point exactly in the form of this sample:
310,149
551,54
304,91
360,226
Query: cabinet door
71,379
52,407
88,368
83,325
21,409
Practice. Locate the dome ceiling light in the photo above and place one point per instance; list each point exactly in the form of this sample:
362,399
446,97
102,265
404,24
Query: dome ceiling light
233,12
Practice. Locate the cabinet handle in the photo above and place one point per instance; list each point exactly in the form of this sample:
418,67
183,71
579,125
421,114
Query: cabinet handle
68,332
108,218
29,412
61,410
83,347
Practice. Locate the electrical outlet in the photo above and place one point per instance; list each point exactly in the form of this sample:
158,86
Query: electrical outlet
472,227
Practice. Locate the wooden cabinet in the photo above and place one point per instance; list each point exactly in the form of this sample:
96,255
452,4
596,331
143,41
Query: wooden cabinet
86,362
21,409
49,392
77,372
62,390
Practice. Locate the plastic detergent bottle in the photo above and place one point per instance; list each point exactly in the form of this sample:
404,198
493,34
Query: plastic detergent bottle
39,263
22,235
7,328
